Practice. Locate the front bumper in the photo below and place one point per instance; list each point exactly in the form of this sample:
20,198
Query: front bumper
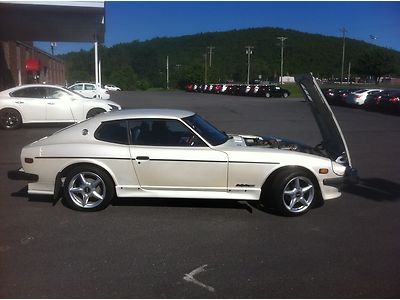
22,175
350,177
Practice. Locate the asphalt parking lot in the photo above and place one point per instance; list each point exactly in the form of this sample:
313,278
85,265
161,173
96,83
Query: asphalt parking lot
348,248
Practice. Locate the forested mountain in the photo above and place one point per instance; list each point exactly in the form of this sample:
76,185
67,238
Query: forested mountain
140,65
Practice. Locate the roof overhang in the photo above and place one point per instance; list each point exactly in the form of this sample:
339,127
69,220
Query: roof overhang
58,21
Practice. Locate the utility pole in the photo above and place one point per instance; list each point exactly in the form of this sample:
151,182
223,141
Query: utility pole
249,52
343,30
210,49
282,39
348,75
205,68
167,72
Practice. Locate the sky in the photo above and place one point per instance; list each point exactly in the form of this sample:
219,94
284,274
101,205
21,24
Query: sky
127,21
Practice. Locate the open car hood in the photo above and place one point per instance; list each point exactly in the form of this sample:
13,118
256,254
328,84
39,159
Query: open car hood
333,140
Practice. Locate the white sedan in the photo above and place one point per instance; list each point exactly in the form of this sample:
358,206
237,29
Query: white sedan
42,103
177,154
112,87
90,90
358,98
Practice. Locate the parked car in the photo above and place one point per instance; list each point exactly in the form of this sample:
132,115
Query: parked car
42,103
217,88
189,87
341,96
111,87
357,98
272,91
373,101
337,96
131,154
90,90
390,103
329,94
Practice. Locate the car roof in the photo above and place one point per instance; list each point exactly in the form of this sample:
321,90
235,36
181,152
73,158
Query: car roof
145,113
30,85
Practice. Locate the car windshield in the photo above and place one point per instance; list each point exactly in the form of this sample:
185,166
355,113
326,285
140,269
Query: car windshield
212,135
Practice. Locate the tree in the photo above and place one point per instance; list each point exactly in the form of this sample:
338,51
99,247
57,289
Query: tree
375,63
124,77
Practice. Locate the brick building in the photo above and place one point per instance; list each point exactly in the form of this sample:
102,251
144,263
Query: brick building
58,21
22,63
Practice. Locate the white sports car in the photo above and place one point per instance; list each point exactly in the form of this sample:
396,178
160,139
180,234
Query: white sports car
43,103
177,154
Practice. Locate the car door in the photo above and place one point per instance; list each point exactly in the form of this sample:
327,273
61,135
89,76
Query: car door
31,103
59,106
167,155
89,90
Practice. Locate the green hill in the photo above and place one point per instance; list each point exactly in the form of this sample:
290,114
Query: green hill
140,65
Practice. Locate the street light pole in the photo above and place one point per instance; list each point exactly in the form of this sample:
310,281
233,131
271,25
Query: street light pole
343,30
52,46
282,39
249,52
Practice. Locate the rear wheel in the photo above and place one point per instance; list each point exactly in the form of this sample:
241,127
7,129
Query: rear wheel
88,189
10,118
285,95
267,95
294,192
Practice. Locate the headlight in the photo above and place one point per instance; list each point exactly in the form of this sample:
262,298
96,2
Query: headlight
338,169
114,107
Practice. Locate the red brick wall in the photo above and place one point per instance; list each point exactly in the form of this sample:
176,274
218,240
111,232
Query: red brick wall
13,56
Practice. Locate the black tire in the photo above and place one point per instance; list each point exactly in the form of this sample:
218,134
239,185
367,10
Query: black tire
294,192
285,95
267,95
10,118
88,188
94,111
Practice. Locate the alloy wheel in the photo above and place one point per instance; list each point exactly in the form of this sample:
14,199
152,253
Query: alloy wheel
298,194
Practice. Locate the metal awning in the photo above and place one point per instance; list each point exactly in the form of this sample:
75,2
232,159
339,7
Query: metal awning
61,21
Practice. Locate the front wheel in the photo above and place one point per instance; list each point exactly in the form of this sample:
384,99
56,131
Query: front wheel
95,111
88,189
10,119
294,193
285,95
267,95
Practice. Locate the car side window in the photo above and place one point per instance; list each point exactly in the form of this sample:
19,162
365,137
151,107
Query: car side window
113,132
77,87
30,92
162,132
54,93
89,87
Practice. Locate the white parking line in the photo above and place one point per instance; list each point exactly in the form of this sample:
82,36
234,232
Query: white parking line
190,278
